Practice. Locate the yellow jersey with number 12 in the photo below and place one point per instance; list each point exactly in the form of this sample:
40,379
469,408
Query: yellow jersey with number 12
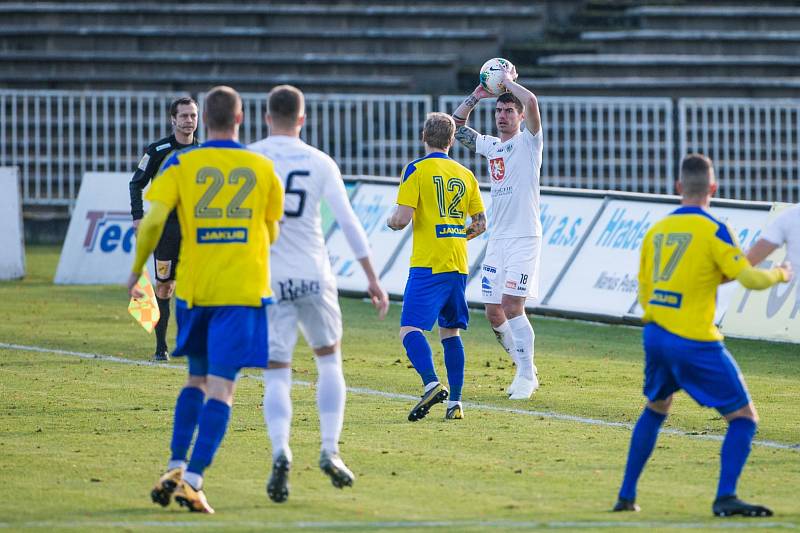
684,258
442,193
224,195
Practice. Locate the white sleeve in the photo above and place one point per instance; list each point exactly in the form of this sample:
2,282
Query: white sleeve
484,142
776,231
336,196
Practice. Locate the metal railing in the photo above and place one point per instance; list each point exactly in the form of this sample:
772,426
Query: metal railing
54,137
592,142
626,144
754,143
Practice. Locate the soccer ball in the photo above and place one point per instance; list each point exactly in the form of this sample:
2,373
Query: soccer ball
492,75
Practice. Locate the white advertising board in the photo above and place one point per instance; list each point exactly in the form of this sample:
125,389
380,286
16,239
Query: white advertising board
372,204
100,240
603,277
12,246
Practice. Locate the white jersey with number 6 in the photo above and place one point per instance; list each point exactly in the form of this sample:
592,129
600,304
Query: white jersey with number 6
514,167
309,175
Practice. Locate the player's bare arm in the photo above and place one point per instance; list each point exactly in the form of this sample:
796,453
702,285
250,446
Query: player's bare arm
400,218
461,115
533,120
759,251
477,226
377,294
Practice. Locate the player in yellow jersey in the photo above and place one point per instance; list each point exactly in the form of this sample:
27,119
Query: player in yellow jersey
437,193
229,201
684,258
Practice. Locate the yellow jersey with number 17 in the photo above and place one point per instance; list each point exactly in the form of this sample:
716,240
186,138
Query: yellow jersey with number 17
224,195
442,193
685,257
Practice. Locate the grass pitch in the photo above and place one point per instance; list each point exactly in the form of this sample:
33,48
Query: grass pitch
82,440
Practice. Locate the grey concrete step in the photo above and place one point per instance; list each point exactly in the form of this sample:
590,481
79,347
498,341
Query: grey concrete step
727,18
527,19
428,73
675,87
695,41
672,65
193,82
464,43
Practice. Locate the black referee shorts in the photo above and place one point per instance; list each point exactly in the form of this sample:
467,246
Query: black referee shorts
166,253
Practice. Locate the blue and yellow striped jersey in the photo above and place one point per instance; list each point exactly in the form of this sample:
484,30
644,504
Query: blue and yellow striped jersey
442,193
224,195
685,257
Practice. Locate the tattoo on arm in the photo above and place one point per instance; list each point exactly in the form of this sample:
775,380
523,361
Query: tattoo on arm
471,101
477,226
468,137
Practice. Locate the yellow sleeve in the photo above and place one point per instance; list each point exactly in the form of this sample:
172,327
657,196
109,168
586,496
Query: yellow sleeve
645,271
408,193
729,257
759,279
273,230
274,210
149,233
164,188
476,201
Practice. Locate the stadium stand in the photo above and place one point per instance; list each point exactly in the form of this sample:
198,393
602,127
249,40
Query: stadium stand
748,50
398,47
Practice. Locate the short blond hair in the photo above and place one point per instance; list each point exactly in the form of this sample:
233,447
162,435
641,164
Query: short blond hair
439,131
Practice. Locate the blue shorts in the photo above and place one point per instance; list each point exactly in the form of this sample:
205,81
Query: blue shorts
430,296
222,340
705,370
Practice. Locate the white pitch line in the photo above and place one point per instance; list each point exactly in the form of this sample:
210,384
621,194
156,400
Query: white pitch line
502,525
397,396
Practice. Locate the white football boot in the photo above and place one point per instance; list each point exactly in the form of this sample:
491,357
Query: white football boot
525,387
515,382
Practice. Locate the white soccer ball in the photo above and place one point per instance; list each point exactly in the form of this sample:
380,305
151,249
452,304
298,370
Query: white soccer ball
492,74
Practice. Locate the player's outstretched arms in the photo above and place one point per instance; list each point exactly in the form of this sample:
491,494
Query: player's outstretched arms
533,119
477,226
759,279
400,217
461,114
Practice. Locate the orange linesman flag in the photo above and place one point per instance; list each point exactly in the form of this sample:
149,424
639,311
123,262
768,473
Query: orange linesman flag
145,310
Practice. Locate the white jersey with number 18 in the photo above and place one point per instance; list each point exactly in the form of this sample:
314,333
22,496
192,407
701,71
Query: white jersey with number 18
308,176
514,167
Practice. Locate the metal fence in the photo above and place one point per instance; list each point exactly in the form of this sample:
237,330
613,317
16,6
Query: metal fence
54,137
755,144
626,144
366,134
593,142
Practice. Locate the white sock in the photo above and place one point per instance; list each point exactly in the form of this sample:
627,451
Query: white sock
506,340
331,393
523,340
278,409
176,463
193,479
451,404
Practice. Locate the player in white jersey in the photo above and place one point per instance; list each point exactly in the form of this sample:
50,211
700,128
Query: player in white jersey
785,229
304,288
510,270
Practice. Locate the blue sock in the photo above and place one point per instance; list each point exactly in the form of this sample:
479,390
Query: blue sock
213,423
454,361
420,355
733,456
643,440
187,412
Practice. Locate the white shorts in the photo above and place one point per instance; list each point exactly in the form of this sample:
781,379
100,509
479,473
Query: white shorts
511,266
311,306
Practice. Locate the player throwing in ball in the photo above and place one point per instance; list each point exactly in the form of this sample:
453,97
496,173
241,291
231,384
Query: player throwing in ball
510,270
